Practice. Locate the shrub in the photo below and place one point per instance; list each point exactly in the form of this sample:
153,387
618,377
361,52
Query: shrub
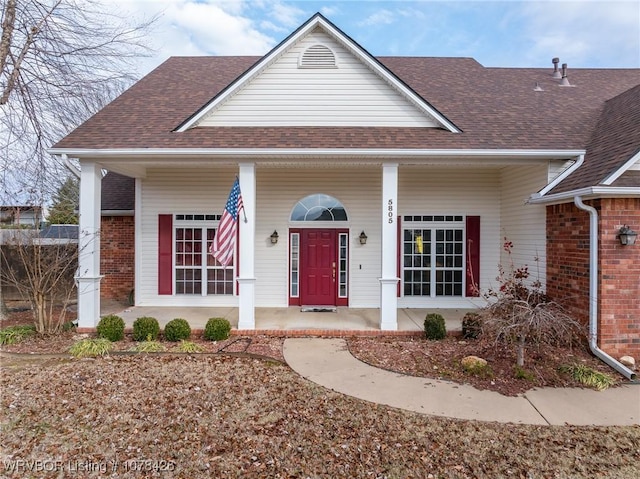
217,329
111,327
89,348
70,326
471,325
146,328
177,330
520,313
16,334
188,347
434,326
588,376
148,346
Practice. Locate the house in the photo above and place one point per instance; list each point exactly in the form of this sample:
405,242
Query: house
20,215
367,182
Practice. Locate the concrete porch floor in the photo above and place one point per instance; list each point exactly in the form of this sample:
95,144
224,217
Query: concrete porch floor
291,318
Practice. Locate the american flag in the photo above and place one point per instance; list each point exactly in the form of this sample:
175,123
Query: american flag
225,239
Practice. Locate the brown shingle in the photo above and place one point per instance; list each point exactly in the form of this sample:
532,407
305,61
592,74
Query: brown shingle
615,140
496,108
118,192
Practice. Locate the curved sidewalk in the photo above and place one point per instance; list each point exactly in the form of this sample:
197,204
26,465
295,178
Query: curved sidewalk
329,363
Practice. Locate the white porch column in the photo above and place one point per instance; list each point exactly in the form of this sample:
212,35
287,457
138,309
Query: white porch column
246,275
88,275
389,279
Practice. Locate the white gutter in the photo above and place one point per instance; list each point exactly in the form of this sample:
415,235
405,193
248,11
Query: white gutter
560,177
591,191
593,292
623,169
117,212
70,166
154,153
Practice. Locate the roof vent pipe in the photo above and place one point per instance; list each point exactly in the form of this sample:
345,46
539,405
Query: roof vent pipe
556,72
565,80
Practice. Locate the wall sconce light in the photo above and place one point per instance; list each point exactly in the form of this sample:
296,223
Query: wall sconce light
274,237
627,236
363,238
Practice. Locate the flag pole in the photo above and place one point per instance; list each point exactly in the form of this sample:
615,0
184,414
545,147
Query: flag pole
243,212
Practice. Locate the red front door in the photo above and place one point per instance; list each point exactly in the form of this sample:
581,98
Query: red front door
318,267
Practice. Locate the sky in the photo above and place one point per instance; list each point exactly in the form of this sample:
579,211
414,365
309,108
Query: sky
508,33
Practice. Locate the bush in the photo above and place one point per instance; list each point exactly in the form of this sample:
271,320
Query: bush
217,329
16,334
434,327
111,327
471,326
90,348
177,330
148,346
146,328
188,347
588,376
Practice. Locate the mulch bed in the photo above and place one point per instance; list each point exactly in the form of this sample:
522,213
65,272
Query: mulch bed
407,355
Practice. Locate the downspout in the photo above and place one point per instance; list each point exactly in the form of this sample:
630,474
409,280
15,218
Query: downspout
70,166
593,292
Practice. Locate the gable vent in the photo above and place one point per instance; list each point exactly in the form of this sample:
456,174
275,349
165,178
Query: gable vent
318,56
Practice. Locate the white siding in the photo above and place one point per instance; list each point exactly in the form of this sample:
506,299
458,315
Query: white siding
205,192
171,191
359,190
285,95
455,192
557,167
497,196
524,224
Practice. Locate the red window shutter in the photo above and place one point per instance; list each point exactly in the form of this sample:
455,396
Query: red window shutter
473,256
165,254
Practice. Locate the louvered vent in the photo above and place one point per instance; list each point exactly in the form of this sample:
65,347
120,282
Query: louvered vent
318,56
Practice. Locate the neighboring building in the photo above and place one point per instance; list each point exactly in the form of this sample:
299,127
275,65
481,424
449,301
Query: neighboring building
22,215
435,160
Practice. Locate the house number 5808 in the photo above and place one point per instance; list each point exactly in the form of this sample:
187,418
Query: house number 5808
390,211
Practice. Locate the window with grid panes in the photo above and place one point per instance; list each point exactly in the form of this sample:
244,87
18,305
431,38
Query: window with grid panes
433,255
196,271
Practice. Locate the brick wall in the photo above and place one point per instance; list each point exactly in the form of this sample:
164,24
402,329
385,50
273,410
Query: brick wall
619,270
117,254
568,258
619,293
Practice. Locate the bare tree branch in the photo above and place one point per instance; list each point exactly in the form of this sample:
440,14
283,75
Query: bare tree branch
60,62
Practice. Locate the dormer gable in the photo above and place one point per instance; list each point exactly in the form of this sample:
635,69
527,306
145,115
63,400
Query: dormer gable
318,76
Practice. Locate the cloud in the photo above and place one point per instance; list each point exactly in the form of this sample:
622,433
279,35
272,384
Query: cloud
594,34
381,17
288,15
196,27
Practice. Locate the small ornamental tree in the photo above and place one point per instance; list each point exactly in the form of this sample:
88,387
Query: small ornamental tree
43,274
520,313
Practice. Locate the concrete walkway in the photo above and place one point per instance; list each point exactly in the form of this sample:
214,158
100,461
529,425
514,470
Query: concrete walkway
329,363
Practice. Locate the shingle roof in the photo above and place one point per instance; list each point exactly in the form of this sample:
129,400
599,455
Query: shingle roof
60,232
118,192
496,108
614,141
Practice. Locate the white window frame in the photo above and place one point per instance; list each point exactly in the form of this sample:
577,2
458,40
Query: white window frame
203,222
438,222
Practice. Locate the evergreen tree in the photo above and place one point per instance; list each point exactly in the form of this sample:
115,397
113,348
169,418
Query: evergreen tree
64,210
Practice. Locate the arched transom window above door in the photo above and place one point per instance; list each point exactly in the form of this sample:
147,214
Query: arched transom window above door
319,207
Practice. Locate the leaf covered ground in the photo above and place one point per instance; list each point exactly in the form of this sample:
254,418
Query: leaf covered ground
224,416
238,411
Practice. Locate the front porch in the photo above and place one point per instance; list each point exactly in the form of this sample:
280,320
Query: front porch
292,319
